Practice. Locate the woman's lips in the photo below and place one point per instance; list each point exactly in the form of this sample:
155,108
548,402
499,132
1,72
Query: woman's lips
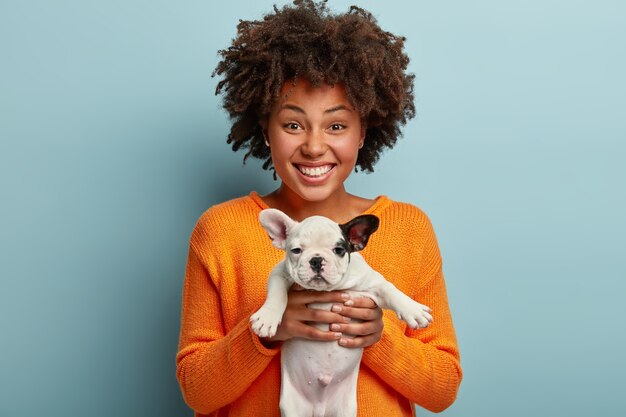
315,174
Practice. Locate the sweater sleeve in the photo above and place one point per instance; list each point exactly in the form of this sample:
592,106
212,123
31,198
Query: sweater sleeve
213,367
424,364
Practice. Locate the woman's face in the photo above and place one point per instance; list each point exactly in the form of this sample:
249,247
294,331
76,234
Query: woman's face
314,135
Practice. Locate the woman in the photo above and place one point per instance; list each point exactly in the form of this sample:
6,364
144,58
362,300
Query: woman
315,95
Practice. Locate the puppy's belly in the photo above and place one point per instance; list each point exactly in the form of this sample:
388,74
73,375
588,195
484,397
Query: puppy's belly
318,368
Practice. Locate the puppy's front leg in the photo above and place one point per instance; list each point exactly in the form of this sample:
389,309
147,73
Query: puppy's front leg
387,296
266,320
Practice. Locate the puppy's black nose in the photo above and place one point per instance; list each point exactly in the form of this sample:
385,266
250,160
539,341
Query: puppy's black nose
316,263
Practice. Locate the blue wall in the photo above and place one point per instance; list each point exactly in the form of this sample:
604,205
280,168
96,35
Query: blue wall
112,144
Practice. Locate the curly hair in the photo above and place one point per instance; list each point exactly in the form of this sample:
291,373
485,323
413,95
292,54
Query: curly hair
306,40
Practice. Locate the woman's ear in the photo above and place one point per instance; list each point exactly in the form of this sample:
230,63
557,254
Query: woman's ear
363,134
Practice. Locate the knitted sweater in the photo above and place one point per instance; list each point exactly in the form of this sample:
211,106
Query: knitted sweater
224,370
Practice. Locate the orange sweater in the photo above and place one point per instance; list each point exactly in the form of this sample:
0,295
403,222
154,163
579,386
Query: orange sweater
224,370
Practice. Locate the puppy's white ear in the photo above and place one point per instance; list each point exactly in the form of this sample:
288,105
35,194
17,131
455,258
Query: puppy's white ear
277,225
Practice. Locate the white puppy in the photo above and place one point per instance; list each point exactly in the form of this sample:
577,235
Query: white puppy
319,377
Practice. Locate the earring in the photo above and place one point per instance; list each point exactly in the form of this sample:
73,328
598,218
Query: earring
361,144
267,143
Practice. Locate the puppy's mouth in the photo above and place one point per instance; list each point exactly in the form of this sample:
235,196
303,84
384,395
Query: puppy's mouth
316,281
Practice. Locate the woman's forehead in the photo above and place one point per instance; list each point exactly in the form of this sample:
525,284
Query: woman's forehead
302,95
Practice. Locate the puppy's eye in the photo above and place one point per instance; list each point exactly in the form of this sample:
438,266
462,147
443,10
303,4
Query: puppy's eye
296,251
339,250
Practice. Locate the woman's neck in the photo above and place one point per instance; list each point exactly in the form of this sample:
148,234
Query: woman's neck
339,207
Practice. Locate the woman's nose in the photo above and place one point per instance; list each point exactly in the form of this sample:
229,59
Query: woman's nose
314,144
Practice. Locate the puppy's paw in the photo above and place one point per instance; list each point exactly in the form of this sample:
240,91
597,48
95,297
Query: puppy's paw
265,321
416,315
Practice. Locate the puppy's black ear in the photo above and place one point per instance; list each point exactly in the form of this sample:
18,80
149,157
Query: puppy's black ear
277,225
358,230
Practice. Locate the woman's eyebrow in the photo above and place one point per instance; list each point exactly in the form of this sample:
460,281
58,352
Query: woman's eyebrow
301,110
337,108
292,107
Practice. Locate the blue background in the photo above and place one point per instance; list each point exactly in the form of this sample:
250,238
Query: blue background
112,144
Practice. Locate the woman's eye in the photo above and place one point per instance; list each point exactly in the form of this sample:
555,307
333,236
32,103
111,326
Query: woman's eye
339,250
337,126
296,251
292,126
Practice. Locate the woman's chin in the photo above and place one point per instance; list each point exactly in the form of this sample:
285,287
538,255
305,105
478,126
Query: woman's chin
314,190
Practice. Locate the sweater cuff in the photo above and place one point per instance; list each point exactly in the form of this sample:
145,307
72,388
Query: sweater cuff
259,344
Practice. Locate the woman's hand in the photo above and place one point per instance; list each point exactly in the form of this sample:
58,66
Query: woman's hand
298,318
366,333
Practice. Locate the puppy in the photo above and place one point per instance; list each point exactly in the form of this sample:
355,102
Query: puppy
318,377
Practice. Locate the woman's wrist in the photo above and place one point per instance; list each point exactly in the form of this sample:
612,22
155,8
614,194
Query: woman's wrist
269,343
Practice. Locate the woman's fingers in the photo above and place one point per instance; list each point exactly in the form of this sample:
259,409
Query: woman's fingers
368,326
359,308
300,299
357,329
299,318
361,302
363,334
306,331
307,314
359,342
292,327
297,296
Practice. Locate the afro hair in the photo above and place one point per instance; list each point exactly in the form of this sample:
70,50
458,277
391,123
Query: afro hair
307,40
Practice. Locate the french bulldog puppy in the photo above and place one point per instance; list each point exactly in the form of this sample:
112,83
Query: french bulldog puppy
319,378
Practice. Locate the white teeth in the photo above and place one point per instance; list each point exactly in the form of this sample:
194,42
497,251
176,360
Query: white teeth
314,172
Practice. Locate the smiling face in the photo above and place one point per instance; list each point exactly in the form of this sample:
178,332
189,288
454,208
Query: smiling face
314,135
